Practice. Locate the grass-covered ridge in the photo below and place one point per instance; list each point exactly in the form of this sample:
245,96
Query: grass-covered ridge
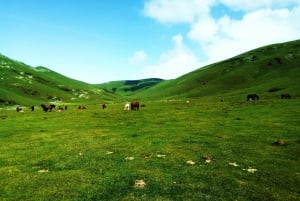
25,85
269,71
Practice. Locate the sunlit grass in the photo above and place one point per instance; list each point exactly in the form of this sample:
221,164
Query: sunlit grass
97,154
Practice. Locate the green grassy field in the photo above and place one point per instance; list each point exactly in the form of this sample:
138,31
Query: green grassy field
209,150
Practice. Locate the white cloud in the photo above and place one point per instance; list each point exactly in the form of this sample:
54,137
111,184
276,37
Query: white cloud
177,11
138,58
227,37
248,5
174,62
261,23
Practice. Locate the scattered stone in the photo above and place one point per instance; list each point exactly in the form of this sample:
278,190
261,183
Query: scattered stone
139,183
234,164
207,157
80,153
146,155
43,171
279,143
161,156
190,162
251,170
109,152
129,158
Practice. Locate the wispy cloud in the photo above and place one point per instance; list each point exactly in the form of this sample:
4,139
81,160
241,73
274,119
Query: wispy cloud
174,62
177,11
138,58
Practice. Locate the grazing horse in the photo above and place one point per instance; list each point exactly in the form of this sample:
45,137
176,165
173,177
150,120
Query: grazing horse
103,106
252,97
19,109
135,105
285,96
127,106
60,108
81,107
47,108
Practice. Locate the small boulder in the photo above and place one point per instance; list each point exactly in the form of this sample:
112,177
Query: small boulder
279,143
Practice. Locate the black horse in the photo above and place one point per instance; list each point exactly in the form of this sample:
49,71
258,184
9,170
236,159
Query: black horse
47,108
19,109
286,96
252,97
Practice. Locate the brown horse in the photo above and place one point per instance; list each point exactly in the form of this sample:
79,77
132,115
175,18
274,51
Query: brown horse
285,96
47,108
252,97
135,105
81,107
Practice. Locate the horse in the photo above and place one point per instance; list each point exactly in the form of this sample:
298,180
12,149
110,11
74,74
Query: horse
81,107
19,109
47,108
127,106
135,105
60,108
252,97
103,106
285,96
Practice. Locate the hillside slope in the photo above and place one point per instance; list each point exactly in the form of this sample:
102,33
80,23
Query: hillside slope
268,71
25,85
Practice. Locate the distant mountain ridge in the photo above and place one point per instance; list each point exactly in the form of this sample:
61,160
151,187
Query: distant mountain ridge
129,87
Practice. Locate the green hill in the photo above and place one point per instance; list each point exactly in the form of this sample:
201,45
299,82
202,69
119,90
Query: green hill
267,71
25,85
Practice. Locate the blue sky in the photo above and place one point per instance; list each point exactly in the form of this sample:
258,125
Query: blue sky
96,41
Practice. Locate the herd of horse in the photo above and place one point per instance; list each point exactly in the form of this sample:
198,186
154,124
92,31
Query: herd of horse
135,105
251,97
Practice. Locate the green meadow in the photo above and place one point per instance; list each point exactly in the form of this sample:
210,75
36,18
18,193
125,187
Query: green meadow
169,150
206,150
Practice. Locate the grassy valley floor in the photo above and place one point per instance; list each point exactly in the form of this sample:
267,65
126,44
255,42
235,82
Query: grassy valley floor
206,150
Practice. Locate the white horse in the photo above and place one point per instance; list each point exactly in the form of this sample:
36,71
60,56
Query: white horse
127,106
